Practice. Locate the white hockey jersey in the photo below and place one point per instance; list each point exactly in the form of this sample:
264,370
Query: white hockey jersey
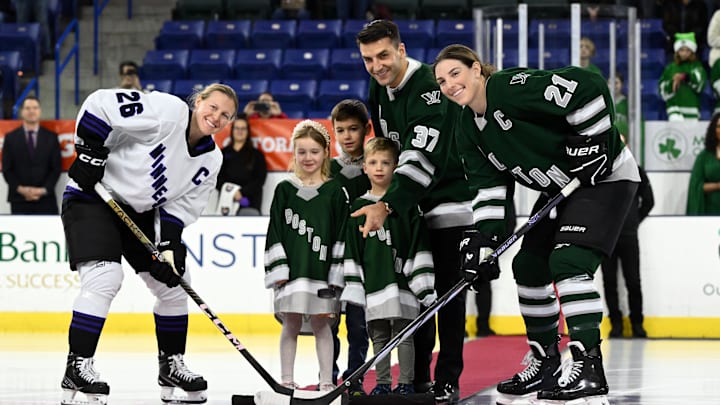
150,164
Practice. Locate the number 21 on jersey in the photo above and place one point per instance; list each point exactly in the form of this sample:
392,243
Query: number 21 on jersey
561,97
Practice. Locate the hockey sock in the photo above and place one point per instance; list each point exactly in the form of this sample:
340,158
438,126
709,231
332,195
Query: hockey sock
171,333
288,345
84,334
538,304
573,268
323,346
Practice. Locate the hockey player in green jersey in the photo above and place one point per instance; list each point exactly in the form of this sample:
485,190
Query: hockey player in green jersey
683,80
351,124
406,106
304,248
391,272
543,128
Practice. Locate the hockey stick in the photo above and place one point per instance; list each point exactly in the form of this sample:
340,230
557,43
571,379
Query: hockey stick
435,307
105,195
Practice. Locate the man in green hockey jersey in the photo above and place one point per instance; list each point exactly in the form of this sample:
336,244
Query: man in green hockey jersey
406,106
542,128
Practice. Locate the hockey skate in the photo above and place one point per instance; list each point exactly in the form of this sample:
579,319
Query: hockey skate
582,381
540,373
175,374
81,376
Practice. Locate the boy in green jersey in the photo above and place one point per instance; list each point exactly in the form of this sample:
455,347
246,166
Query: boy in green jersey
541,128
391,272
351,125
406,106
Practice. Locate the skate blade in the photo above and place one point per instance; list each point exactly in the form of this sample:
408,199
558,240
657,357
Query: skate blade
191,397
505,399
596,400
68,398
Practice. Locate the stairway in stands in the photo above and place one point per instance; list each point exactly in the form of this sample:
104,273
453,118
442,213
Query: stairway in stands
119,39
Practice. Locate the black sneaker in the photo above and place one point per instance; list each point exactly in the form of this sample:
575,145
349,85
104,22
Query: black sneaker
445,393
404,389
616,329
638,331
542,363
582,376
356,390
423,387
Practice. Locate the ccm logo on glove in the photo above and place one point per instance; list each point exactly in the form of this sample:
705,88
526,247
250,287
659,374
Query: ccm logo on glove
91,160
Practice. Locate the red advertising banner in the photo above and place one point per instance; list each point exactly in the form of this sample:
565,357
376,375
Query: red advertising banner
271,136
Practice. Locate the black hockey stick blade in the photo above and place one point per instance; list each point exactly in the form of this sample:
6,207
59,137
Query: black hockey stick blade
437,305
140,235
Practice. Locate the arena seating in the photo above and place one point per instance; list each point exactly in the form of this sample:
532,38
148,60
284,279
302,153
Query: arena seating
24,38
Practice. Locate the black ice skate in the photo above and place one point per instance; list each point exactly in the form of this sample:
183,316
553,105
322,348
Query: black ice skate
582,381
81,376
542,363
175,374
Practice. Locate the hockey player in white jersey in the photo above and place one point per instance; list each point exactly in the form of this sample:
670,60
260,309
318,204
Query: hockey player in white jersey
158,160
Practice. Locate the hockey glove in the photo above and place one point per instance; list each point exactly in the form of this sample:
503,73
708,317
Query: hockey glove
173,260
589,158
429,299
89,166
474,248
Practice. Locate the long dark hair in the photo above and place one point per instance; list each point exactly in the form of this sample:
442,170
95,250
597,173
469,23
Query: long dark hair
711,141
247,151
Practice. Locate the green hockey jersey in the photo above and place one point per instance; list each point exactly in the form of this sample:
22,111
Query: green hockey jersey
390,270
429,174
685,102
350,175
522,135
304,244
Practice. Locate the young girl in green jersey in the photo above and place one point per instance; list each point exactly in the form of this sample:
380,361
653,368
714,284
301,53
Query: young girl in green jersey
683,80
304,248
391,272
351,125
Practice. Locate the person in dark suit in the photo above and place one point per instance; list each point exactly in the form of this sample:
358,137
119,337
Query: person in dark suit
31,164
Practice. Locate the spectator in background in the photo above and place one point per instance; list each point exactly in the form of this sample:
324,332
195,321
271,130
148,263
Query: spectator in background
683,80
291,10
242,174
264,107
627,252
31,163
36,11
621,108
685,16
587,52
704,188
129,76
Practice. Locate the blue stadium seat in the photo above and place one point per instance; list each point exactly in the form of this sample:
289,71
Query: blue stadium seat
227,34
652,62
181,35
330,92
295,114
318,114
167,64
347,63
556,33
417,33
185,88
553,58
431,54
305,64
416,53
10,64
273,34
257,63
455,32
318,34
349,32
248,90
651,32
24,38
294,95
211,64
599,32
510,34
165,86
652,105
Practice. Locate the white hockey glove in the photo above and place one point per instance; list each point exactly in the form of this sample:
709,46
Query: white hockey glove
429,299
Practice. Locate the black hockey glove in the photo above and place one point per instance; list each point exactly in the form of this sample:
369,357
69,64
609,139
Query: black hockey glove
589,158
89,165
474,248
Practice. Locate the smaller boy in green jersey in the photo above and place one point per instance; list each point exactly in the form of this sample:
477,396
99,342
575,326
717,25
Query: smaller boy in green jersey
391,272
351,125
